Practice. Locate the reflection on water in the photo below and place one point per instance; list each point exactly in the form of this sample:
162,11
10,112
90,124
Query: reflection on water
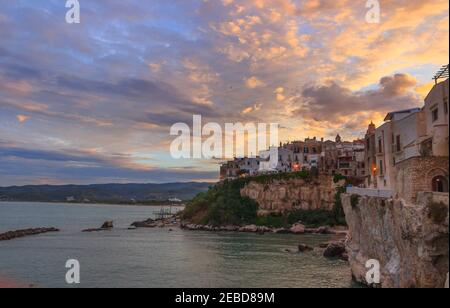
155,257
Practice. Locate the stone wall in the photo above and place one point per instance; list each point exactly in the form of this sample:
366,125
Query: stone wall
409,240
287,195
416,174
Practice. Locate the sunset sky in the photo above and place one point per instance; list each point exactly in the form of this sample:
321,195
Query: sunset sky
93,102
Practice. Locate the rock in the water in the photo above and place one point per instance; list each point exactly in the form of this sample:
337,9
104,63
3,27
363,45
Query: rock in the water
107,225
304,248
298,228
249,228
149,223
27,232
323,230
335,250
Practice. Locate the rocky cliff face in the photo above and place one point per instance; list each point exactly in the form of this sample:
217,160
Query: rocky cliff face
409,240
287,195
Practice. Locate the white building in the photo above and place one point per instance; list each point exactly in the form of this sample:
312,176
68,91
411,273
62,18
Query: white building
250,165
436,116
417,132
387,138
276,160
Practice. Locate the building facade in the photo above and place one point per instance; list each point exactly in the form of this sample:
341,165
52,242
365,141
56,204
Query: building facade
411,148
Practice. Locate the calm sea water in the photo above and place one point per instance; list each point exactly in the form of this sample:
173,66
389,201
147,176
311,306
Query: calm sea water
154,257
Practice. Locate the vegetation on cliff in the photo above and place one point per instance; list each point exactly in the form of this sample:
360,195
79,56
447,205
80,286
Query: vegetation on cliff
224,205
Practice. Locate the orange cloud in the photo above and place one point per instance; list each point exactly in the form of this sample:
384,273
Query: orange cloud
22,118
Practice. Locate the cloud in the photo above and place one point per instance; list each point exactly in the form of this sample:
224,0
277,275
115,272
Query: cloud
22,118
332,102
254,108
314,66
59,167
253,83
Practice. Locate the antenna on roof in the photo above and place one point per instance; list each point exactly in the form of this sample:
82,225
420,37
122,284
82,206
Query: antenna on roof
442,73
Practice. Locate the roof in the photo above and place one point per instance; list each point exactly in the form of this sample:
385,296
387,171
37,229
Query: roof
391,115
436,86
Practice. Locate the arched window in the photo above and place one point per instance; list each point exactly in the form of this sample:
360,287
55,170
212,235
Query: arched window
440,184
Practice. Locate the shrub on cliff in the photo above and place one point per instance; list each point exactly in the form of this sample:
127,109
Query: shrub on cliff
312,218
222,205
338,209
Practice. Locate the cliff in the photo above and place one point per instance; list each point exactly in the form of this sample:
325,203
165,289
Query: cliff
281,196
409,240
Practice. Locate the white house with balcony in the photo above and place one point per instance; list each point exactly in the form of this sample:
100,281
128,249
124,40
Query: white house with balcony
276,159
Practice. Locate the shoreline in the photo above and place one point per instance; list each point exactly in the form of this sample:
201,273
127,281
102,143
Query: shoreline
295,229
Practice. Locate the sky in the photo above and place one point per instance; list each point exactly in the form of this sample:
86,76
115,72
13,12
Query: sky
94,102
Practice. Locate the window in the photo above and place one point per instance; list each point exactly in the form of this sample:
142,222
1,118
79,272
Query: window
306,150
435,115
368,144
399,146
380,146
445,107
381,168
440,184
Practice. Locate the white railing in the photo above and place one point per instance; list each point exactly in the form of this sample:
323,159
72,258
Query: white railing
370,192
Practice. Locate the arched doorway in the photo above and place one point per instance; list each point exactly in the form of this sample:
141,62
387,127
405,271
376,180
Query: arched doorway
440,184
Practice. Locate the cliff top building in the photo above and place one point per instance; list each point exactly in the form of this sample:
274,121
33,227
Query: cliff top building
409,152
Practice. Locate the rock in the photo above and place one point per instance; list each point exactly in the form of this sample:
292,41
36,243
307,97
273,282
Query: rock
149,223
304,248
230,228
323,230
409,239
293,194
107,225
335,250
27,232
298,229
324,245
249,228
344,257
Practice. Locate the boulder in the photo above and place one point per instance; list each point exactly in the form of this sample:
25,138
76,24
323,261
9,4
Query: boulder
149,223
304,248
249,228
323,230
298,229
335,250
107,225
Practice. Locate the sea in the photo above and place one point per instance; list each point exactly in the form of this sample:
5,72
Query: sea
153,258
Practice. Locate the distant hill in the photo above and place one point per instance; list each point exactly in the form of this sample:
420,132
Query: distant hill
122,193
